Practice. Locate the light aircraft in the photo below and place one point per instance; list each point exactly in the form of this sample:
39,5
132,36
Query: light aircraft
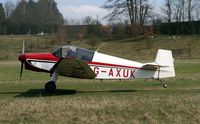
72,61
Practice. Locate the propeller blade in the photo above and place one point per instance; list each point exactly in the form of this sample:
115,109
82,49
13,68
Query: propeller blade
21,71
23,47
22,64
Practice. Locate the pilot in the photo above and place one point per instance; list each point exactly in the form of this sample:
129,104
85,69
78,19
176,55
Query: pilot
69,53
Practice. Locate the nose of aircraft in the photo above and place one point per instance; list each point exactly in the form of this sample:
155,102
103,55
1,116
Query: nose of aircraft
22,57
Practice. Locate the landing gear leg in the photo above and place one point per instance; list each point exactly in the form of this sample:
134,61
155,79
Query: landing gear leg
163,84
50,86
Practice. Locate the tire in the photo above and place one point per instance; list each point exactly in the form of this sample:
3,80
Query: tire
50,87
165,85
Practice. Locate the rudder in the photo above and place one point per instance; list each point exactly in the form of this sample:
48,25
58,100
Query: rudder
165,61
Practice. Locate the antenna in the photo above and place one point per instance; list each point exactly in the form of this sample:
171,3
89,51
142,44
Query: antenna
100,47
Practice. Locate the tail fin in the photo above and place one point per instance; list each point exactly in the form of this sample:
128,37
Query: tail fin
165,61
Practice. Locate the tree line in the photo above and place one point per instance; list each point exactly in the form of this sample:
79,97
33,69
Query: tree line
30,17
182,15
181,10
127,16
131,18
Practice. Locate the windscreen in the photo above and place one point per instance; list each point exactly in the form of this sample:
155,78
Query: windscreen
84,54
58,52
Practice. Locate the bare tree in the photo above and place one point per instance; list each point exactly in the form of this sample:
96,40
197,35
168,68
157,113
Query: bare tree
118,8
9,7
2,14
190,8
197,11
144,8
73,22
176,6
172,10
135,10
88,20
180,10
183,10
168,10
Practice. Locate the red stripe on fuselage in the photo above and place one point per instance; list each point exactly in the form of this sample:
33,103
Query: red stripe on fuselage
41,56
111,65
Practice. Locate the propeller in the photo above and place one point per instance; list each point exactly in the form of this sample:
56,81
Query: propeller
22,64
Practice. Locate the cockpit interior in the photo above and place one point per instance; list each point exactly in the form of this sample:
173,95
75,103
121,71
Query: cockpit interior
74,52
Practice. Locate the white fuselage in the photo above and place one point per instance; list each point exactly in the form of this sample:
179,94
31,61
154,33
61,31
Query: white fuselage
106,67
111,67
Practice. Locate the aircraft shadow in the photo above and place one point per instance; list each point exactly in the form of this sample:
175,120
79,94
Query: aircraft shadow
61,92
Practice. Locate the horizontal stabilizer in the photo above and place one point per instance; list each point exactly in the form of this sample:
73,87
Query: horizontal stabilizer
150,66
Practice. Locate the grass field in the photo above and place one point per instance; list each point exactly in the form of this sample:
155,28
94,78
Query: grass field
93,101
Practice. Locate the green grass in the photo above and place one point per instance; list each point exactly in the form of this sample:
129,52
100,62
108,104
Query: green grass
93,101
183,47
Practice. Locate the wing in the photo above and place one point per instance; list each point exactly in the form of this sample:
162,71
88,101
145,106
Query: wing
150,66
73,67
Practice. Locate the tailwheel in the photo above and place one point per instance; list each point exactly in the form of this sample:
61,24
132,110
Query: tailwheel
50,87
163,84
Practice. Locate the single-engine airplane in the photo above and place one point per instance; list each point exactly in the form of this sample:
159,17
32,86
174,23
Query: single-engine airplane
78,62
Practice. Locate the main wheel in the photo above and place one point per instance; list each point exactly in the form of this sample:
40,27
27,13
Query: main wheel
50,87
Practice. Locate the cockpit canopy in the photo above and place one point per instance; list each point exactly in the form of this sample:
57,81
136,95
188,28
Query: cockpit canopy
74,52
